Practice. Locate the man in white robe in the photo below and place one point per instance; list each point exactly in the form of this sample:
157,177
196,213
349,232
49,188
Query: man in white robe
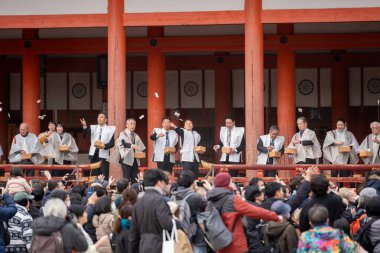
103,133
65,157
164,138
128,144
231,137
268,143
306,144
26,144
372,143
336,139
189,140
49,141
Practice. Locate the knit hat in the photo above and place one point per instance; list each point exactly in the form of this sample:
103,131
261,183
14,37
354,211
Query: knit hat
281,208
368,192
222,180
22,195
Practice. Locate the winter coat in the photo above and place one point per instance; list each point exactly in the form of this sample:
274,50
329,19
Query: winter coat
254,240
331,201
104,226
282,232
72,236
8,209
151,215
232,209
325,239
374,235
197,204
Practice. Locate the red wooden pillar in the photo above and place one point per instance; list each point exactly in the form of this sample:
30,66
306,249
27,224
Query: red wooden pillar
156,85
117,57
286,96
116,65
31,83
339,91
4,99
254,78
223,97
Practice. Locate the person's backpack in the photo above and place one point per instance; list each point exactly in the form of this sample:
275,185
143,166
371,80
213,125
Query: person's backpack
272,246
189,225
47,243
217,236
363,235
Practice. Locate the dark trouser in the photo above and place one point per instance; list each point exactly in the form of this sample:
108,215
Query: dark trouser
233,173
61,173
166,165
104,168
29,173
192,166
341,173
308,161
130,172
270,173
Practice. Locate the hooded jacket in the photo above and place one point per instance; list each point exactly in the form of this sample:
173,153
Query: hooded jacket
232,208
282,232
72,237
104,226
8,209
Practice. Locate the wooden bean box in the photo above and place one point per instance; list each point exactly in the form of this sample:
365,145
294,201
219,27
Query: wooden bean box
140,155
344,149
274,154
226,150
290,151
169,150
26,156
63,148
365,153
200,149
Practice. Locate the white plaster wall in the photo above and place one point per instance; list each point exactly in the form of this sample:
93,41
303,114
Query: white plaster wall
325,81
238,88
56,92
209,88
171,89
15,91
138,77
96,93
79,103
191,101
369,98
45,7
309,100
274,87
354,86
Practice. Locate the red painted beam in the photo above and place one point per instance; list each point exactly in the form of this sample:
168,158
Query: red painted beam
321,15
192,18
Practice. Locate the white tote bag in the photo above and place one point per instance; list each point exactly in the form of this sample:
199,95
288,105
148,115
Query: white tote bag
169,240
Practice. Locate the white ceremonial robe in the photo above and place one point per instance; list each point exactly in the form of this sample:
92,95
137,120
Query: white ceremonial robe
30,145
237,135
278,145
310,151
72,155
1,152
50,148
127,154
160,142
369,145
191,140
331,152
107,133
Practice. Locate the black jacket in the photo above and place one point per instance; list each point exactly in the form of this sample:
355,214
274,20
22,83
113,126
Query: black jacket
89,227
331,201
151,215
302,194
254,238
122,241
72,237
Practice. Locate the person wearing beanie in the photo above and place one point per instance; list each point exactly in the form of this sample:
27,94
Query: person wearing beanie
232,208
281,233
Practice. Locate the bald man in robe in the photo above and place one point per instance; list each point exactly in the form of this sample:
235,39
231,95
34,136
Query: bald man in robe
26,148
